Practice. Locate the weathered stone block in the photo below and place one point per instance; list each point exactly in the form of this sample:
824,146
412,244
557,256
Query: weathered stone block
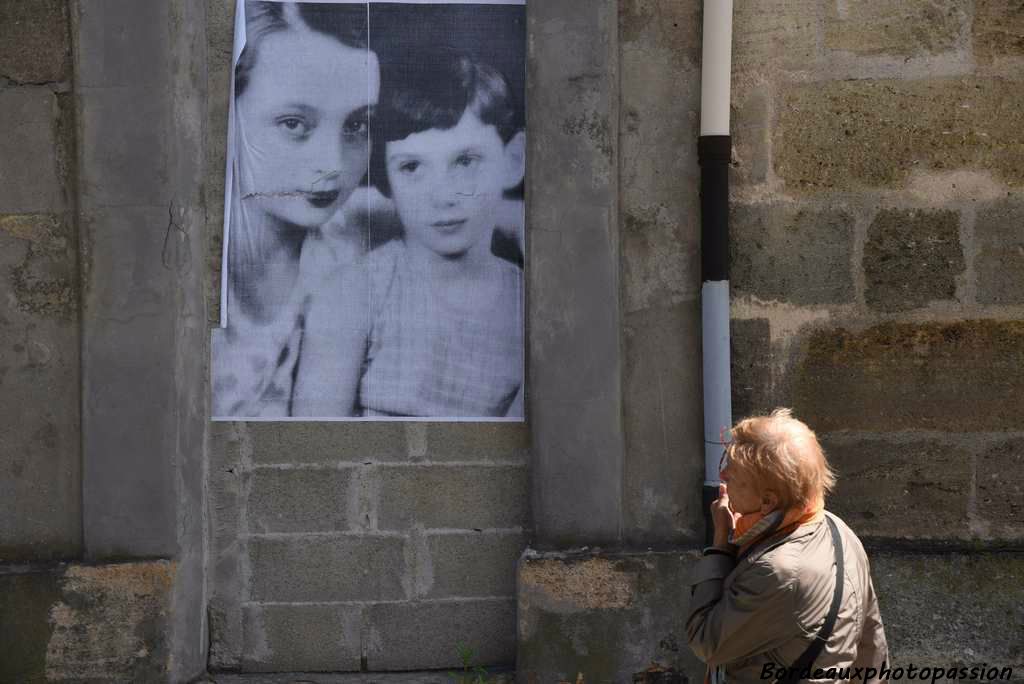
86,623
775,34
226,623
301,500
29,175
912,257
660,258
329,568
112,624
328,442
750,138
474,441
901,489
34,45
302,638
909,28
953,377
952,608
39,356
427,635
473,564
571,607
44,281
662,421
1001,489
463,497
751,357
665,25
999,262
793,254
25,628
854,133
998,29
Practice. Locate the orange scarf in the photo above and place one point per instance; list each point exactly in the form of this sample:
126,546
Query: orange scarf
793,518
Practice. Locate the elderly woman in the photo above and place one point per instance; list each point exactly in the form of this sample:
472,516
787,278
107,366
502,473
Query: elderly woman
785,592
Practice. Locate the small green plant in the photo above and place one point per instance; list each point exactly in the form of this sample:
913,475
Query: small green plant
470,673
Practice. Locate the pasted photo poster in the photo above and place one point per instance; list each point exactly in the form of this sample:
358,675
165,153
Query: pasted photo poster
374,224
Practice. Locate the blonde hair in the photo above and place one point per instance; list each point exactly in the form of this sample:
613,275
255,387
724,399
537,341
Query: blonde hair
783,455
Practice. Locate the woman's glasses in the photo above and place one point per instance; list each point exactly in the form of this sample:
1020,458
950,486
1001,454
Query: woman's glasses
724,461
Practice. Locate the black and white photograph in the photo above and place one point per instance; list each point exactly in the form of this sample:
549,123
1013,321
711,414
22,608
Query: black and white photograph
374,233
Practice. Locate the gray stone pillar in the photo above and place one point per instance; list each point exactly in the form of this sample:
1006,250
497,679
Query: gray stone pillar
575,351
140,70
615,401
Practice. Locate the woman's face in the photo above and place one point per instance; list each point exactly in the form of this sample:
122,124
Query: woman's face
745,495
304,125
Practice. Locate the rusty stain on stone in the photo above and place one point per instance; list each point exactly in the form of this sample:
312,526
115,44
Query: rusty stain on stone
593,126
41,283
36,228
851,134
111,623
962,376
592,583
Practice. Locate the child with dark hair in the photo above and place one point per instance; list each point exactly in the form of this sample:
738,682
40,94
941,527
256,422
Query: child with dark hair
446,314
447,339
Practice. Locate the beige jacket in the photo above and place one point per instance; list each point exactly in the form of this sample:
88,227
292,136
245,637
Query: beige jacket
766,609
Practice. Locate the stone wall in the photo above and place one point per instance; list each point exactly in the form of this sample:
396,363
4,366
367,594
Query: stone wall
878,288
878,227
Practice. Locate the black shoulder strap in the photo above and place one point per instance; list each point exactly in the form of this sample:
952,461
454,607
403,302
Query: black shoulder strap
806,660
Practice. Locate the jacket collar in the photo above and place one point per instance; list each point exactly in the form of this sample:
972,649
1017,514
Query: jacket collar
805,530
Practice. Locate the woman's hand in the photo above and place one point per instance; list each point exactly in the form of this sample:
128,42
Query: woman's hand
722,517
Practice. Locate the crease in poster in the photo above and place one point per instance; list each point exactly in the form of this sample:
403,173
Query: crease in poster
374,230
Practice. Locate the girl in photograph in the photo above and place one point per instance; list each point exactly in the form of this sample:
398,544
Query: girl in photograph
446,329
304,87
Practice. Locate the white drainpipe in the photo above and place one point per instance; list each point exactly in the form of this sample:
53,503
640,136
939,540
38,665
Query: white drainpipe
715,151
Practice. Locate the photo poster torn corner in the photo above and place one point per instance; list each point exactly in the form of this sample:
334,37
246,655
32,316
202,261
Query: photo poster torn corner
374,225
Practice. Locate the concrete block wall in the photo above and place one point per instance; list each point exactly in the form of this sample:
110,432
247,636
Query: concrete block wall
347,547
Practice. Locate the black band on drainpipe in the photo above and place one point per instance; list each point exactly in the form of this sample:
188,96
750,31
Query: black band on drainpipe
714,153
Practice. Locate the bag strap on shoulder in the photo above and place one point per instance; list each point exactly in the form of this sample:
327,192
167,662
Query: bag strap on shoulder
806,660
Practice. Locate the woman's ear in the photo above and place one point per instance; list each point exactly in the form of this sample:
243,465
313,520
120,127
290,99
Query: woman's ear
515,160
769,501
